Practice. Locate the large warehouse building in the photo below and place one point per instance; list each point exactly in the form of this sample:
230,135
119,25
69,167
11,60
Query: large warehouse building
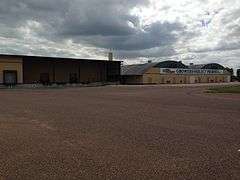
173,72
16,69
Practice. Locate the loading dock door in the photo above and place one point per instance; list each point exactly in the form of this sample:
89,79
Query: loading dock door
10,77
44,78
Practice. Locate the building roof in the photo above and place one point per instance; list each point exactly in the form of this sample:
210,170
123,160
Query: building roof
140,69
213,66
136,69
196,66
206,66
171,64
50,58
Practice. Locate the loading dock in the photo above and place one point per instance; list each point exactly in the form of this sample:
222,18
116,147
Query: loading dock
9,77
48,70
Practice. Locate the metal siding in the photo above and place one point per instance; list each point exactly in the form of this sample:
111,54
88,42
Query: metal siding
88,71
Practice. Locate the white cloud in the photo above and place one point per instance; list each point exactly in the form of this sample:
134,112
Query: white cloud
212,28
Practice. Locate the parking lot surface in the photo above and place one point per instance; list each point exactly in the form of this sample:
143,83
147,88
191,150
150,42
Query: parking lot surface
119,132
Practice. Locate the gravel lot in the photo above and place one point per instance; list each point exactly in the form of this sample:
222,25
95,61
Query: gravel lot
122,132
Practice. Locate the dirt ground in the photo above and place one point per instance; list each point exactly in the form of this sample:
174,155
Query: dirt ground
122,132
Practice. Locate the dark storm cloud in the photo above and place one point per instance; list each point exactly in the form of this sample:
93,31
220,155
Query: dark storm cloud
17,12
100,18
75,17
104,24
155,35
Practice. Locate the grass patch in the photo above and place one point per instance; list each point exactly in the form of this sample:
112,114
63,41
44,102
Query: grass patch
225,89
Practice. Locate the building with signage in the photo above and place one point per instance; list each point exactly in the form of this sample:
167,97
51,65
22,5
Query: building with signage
173,72
47,70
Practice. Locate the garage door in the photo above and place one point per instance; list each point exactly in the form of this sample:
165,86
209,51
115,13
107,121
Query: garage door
10,77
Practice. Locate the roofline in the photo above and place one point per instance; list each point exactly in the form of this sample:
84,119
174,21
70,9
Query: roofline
151,65
173,61
140,64
54,58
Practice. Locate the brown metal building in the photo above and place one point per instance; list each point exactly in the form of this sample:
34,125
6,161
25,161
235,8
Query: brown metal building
17,69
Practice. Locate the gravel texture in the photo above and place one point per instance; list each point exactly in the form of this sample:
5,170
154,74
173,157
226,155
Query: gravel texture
121,132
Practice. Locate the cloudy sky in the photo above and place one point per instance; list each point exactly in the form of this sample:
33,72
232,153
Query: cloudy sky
197,31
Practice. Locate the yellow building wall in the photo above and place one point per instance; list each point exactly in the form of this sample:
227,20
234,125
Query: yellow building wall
12,64
153,76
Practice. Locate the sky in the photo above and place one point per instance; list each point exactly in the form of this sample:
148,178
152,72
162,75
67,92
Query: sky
191,31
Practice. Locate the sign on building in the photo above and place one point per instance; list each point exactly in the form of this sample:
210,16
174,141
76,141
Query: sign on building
190,71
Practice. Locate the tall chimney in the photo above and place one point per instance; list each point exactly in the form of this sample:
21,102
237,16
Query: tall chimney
110,56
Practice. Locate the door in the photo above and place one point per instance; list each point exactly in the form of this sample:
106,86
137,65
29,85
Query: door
73,78
174,80
192,79
44,78
10,77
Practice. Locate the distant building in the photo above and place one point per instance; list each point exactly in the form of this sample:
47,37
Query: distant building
16,69
238,73
173,72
